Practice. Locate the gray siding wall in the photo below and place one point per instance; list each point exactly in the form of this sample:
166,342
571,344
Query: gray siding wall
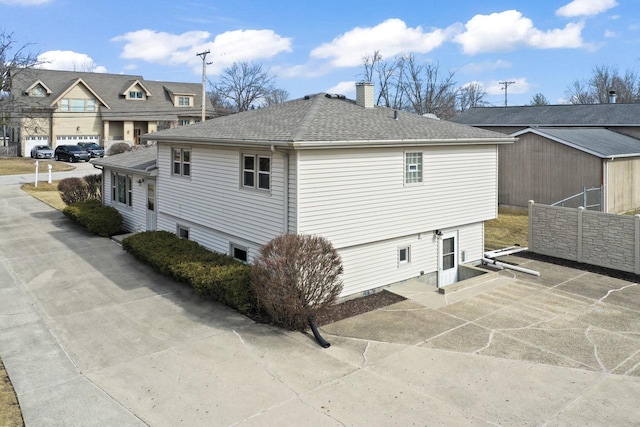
597,238
536,168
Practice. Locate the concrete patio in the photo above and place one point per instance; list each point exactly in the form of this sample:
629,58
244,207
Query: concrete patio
90,336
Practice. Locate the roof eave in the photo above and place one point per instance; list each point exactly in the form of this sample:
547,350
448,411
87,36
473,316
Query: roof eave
385,143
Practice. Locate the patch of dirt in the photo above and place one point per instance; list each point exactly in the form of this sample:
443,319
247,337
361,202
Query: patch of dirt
10,414
357,306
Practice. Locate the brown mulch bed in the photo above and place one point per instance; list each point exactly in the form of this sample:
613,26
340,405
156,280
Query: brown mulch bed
357,306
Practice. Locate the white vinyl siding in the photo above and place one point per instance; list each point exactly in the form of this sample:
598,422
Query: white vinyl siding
217,210
135,216
375,265
354,197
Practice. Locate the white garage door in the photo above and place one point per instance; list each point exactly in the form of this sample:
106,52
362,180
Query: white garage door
32,141
74,139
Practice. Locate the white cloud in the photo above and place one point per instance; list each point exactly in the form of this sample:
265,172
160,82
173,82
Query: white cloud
480,67
507,30
585,8
67,60
25,2
391,37
520,86
610,34
181,49
343,88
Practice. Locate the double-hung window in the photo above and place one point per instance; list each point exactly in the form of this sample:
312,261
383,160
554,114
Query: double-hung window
184,101
181,160
256,171
412,168
121,189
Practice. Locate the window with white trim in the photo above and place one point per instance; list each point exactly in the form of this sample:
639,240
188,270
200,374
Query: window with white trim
121,189
77,105
256,171
404,255
412,168
184,101
135,94
182,231
184,122
241,253
181,161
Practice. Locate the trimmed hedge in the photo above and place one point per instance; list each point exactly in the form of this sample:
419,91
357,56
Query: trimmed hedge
210,274
104,221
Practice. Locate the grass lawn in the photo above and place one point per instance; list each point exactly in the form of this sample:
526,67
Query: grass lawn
22,165
511,227
47,193
10,415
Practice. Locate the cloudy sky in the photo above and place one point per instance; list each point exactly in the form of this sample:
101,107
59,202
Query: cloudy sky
315,46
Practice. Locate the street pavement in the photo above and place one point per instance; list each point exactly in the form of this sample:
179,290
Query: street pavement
90,336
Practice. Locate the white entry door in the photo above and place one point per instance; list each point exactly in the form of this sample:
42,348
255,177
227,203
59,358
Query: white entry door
448,259
151,205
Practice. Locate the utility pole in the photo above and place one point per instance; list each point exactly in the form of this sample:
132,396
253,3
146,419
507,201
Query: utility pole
505,86
203,55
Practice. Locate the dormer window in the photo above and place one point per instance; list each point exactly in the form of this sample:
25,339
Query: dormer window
38,91
184,101
135,94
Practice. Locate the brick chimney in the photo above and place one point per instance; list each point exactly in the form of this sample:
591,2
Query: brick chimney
364,94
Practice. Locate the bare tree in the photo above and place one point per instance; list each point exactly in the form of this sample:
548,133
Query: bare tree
295,278
539,99
427,91
14,58
276,96
579,93
604,79
244,85
471,95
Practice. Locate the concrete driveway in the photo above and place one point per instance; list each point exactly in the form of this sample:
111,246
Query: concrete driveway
91,337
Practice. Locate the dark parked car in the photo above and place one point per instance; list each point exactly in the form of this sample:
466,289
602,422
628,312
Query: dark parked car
41,152
94,149
71,153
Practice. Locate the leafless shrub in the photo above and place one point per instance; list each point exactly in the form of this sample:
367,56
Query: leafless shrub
74,190
118,148
296,278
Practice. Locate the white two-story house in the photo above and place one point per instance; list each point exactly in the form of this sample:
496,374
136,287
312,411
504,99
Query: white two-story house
398,195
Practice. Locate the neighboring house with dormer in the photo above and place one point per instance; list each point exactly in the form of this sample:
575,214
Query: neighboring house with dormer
398,195
562,149
67,107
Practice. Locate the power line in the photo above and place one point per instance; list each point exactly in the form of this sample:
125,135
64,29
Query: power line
203,55
505,86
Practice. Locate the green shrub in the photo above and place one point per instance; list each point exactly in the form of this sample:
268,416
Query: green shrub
210,274
229,284
104,221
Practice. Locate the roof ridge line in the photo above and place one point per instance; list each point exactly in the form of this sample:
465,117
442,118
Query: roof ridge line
308,117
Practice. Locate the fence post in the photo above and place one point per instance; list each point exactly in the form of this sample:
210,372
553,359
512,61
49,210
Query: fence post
636,255
580,212
531,247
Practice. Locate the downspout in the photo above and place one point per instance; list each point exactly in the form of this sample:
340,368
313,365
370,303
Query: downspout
285,222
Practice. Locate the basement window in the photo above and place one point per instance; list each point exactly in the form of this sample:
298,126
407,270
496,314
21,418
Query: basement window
241,253
404,255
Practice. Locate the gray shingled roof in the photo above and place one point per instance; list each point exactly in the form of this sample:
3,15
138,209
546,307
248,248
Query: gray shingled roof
159,106
137,160
553,115
599,142
321,120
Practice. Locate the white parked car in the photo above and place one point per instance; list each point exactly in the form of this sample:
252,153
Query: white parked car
41,152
